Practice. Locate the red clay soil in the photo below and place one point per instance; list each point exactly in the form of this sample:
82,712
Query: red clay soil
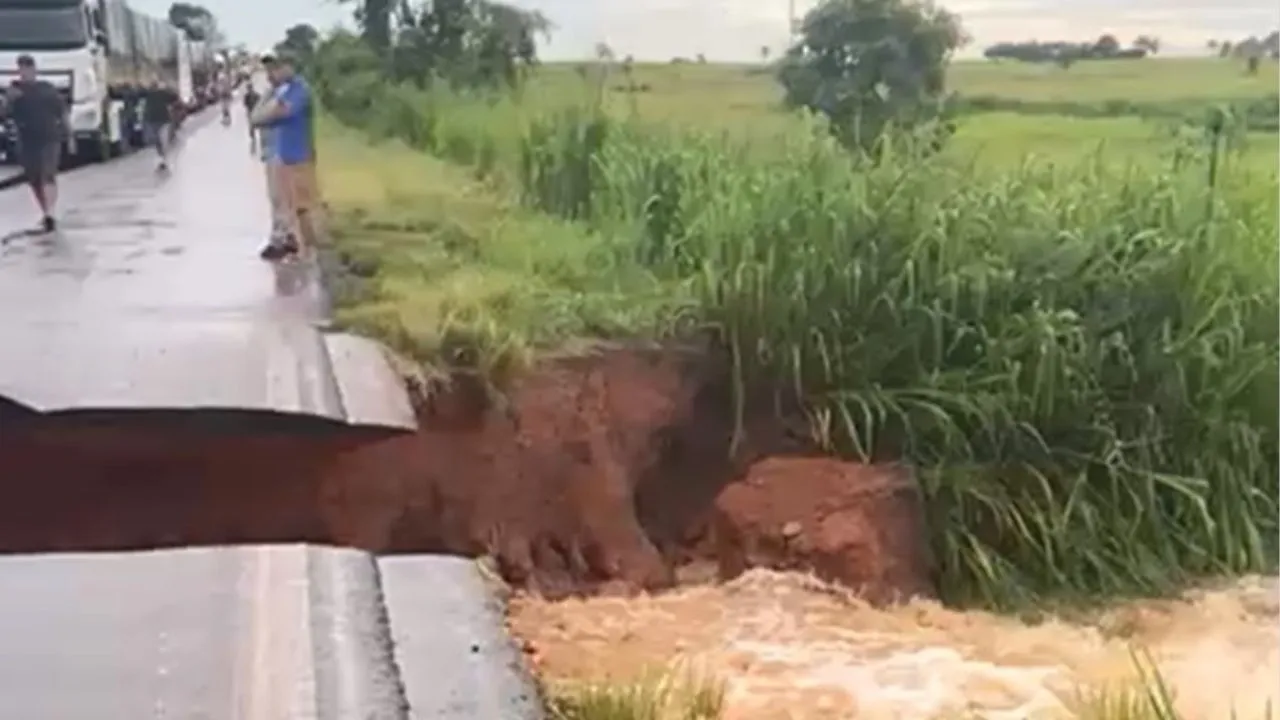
857,525
604,471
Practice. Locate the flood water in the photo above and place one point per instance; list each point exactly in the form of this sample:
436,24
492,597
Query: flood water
787,646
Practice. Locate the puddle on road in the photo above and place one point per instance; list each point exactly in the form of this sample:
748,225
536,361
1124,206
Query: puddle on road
788,646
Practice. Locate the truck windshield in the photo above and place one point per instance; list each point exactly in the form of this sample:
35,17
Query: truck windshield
43,29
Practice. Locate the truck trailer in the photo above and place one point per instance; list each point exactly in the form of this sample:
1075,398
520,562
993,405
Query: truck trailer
100,54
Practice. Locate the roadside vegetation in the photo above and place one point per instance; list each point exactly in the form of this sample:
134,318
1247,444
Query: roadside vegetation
1080,355
1058,300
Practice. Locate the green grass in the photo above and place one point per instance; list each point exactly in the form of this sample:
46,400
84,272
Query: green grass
664,696
1152,80
1077,350
745,100
454,275
1004,140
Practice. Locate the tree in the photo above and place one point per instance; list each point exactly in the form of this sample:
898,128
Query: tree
375,19
467,43
299,41
1148,43
604,53
764,53
1271,45
868,65
1106,46
195,21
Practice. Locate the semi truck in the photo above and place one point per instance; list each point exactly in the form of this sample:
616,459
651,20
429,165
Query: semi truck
99,54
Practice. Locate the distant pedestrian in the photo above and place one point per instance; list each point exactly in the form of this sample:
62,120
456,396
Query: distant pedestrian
39,114
291,118
159,108
251,100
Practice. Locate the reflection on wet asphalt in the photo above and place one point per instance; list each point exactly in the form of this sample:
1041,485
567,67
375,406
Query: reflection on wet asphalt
151,292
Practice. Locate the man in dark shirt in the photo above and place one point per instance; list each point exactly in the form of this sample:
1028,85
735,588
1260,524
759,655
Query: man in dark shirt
251,100
158,106
40,115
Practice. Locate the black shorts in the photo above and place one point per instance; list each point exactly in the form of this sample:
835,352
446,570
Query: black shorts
40,162
156,134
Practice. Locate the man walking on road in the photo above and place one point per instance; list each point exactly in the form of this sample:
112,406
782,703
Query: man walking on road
40,115
291,119
159,105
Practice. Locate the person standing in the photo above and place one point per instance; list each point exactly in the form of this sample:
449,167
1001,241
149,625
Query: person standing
291,119
39,114
281,243
251,101
159,105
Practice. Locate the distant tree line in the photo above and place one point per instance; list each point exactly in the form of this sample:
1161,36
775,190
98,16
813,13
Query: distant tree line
1251,49
468,43
1106,47
1253,46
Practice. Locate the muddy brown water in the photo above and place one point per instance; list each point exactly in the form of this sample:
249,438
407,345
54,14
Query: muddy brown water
787,646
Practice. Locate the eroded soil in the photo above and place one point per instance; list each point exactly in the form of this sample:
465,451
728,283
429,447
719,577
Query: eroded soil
599,471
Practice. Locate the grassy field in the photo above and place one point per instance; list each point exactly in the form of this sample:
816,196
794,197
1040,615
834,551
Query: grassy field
1078,348
1130,111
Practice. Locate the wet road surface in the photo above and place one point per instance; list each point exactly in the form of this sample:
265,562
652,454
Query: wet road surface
151,296
218,634
451,646
254,633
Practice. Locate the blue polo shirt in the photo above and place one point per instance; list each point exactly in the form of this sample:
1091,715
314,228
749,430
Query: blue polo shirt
293,131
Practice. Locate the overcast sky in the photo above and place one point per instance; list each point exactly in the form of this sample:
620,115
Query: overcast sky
736,29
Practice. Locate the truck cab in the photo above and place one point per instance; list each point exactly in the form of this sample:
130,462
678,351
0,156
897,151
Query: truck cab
68,45
99,54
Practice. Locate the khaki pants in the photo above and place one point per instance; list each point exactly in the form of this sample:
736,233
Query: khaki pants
298,186
279,212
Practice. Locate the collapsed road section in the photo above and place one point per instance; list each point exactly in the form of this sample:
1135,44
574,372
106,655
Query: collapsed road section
162,387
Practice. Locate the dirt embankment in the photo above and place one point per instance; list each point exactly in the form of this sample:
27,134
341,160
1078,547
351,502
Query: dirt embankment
607,471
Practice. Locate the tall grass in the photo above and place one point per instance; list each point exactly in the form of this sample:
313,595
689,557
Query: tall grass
1081,362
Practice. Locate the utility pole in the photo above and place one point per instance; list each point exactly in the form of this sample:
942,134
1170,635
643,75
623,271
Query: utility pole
793,25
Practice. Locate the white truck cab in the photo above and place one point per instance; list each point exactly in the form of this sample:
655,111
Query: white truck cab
100,54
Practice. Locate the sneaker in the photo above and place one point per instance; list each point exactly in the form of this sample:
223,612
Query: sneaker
49,224
273,251
279,248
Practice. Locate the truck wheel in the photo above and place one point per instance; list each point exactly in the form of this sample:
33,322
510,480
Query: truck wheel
93,149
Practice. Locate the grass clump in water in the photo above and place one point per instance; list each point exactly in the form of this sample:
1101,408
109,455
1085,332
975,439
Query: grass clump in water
669,696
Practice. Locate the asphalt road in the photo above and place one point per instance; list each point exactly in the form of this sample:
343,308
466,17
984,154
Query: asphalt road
151,296
253,633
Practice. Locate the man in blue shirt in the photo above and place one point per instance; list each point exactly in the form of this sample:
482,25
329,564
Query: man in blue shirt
291,119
